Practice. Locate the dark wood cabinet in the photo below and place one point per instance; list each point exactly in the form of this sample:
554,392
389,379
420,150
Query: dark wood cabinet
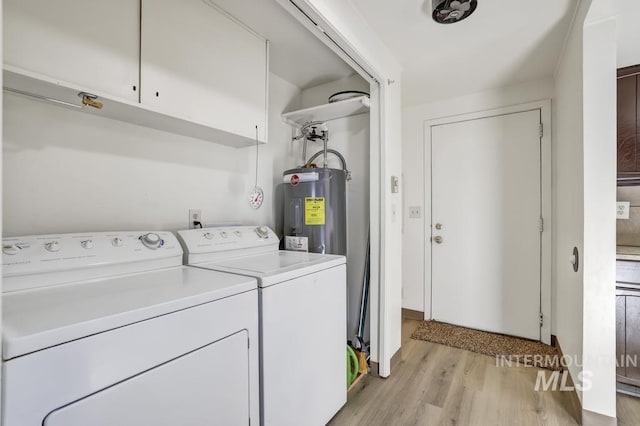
628,133
628,336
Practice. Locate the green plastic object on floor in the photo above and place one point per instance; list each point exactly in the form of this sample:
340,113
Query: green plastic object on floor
352,366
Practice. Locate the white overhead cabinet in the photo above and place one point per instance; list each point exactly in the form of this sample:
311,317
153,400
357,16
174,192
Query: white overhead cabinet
199,64
90,44
180,66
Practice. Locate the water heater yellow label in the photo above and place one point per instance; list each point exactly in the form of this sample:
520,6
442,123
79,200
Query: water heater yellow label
314,211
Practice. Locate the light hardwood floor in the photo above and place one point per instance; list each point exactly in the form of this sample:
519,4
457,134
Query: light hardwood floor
439,385
628,409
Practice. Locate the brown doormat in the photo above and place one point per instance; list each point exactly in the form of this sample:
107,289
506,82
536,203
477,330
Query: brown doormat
516,350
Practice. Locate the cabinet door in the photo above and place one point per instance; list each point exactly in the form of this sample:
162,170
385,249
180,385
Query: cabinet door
93,44
638,123
627,116
620,334
200,65
633,335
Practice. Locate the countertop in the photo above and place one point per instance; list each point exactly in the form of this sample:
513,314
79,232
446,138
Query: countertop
628,253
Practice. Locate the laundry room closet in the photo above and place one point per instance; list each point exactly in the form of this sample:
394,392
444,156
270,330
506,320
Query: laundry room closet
91,144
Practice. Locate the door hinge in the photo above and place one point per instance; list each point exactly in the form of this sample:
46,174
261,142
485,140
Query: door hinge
541,319
541,132
541,225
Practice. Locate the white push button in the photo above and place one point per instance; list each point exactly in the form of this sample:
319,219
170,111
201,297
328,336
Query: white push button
11,249
53,246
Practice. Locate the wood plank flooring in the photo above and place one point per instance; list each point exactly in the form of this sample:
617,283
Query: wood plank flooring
439,385
628,409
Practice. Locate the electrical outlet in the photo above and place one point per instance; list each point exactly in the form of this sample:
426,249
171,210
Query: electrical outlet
195,215
622,210
415,212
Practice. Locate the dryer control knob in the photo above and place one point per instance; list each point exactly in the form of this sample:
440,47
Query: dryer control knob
117,242
87,244
53,246
11,249
208,235
152,240
263,232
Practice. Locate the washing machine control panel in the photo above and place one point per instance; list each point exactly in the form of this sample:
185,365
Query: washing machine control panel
42,254
228,239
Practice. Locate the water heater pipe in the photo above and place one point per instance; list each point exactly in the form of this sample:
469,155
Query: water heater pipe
334,152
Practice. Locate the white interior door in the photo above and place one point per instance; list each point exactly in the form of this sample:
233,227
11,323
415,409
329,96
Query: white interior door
486,195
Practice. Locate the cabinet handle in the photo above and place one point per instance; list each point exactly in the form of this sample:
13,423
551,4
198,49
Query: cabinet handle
90,100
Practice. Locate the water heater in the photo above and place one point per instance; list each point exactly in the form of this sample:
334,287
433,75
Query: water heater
315,209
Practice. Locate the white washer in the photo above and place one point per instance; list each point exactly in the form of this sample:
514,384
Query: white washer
109,329
302,319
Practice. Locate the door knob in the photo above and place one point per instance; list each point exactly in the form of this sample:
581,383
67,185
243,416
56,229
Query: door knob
437,239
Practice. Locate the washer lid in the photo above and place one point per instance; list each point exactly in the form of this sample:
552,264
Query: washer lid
41,318
274,267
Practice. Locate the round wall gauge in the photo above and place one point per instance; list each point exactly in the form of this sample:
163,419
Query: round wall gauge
256,197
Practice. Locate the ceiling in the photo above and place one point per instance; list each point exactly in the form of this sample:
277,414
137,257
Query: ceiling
502,43
296,54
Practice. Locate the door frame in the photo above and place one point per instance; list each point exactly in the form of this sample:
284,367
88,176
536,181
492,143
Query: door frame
545,197
380,289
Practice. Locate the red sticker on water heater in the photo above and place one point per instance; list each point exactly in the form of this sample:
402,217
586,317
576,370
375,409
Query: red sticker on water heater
294,180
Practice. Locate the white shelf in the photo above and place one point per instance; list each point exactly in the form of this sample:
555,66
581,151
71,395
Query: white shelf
326,112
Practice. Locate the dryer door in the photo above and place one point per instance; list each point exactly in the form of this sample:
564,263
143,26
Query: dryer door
209,386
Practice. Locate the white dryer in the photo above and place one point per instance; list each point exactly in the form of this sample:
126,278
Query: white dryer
302,319
109,329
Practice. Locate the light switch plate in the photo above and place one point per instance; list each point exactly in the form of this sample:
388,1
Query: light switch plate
395,184
622,209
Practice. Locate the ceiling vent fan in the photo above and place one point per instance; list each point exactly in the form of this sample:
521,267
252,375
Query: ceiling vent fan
452,11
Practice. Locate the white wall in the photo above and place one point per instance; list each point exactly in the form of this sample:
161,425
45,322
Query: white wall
599,327
65,171
1,183
628,38
585,172
568,199
415,268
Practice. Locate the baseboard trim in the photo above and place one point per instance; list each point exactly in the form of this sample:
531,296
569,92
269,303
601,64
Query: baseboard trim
589,418
411,314
374,367
576,405
396,359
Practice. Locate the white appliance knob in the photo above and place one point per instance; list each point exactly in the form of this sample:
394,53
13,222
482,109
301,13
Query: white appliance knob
152,240
262,232
87,244
53,246
223,234
238,234
208,235
11,249
117,242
